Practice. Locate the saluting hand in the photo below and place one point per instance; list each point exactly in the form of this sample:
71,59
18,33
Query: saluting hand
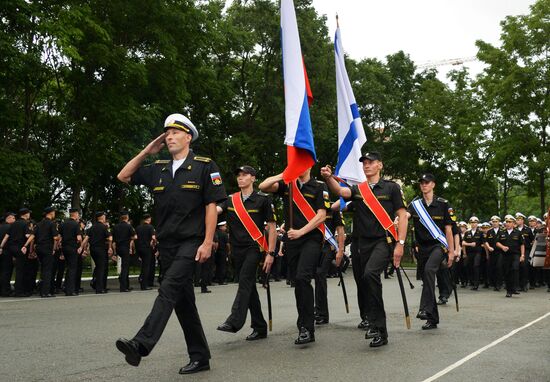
155,145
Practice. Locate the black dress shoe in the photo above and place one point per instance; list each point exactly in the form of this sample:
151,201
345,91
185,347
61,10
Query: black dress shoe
304,337
227,327
474,288
515,292
429,325
442,301
378,341
321,321
363,325
124,290
101,292
130,348
525,289
372,333
508,294
422,315
195,367
49,295
146,288
256,335
206,291
496,289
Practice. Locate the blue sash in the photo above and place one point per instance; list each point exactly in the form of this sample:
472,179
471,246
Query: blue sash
429,223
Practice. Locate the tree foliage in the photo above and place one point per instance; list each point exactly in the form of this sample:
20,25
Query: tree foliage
84,85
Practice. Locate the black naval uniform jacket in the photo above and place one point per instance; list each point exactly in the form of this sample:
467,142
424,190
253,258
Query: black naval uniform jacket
512,240
491,237
528,238
259,207
440,211
180,200
477,237
44,233
365,223
316,194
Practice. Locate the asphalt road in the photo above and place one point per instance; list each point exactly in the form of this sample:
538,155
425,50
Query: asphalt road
72,339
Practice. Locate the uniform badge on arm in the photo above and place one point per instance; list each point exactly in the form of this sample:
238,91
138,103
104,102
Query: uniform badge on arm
216,178
327,201
452,214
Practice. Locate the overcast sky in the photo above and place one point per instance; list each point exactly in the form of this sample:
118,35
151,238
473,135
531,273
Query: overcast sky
428,30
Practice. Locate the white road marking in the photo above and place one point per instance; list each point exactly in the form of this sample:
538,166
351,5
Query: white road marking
478,352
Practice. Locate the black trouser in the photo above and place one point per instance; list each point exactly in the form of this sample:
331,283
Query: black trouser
358,277
78,281
6,260
462,270
276,267
484,269
474,265
321,299
205,273
71,262
152,270
124,277
221,260
32,274
495,269
21,269
444,282
374,256
510,265
246,265
176,293
100,272
58,270
303,257
146,256
524,272
46,267
430,261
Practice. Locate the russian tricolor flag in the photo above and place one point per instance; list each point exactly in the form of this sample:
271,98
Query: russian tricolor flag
299,135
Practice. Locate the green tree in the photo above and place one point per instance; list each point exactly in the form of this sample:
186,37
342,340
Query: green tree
516,83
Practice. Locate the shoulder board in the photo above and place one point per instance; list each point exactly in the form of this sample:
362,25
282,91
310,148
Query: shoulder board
162,161
202,159
320,181
262,194
440,199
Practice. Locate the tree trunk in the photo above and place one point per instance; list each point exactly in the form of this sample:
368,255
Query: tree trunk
542,192
505,190
75,197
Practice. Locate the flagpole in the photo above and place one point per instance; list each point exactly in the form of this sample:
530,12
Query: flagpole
290,205
337,24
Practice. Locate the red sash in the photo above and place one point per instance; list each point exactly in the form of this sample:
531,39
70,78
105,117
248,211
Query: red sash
376,208
248,223
304,207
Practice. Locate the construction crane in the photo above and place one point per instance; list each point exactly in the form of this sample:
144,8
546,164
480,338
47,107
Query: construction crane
453,61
